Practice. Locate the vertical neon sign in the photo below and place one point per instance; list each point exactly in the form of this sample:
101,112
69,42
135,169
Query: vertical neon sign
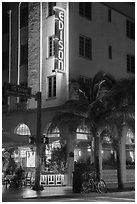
59,40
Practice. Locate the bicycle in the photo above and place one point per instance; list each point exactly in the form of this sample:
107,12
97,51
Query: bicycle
92,183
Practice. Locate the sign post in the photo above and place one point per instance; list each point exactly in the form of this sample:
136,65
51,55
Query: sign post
37,185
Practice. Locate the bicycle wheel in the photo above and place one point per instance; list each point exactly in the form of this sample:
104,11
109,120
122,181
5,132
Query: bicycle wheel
85,186
101,185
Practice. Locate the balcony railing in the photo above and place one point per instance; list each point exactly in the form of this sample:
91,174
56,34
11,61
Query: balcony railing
52,179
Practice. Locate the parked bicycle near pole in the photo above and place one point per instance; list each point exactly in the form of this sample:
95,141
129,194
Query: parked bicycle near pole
93,183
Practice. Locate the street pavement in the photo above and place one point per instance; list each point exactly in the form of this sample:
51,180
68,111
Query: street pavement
63,193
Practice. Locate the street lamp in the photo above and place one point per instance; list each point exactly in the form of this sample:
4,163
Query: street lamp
45,140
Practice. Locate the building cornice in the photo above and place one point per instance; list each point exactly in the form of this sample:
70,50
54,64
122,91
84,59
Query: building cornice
123,8
55,108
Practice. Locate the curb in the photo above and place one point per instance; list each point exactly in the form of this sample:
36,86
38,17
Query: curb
75,194
71,195
51,196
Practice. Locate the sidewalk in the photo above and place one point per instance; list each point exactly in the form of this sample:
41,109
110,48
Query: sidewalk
48,192
27,192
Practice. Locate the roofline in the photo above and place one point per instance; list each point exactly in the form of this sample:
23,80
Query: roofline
118,7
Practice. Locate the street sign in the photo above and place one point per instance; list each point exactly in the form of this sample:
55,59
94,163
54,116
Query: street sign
17,90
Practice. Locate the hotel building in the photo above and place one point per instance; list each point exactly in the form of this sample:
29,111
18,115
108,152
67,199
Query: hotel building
46,45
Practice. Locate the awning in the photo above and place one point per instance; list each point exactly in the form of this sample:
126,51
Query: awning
12,140
15,140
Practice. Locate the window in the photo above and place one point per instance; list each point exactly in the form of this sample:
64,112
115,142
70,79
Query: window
130,29
5,60
51,46
110,52
130,63
109,15
24,15
24,54
22,129
85,47
50,8
85,9
52,87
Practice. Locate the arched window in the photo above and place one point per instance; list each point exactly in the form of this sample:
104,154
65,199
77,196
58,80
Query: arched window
130,139
83,132
22,129
55,132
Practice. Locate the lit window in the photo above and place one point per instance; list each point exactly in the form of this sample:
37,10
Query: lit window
82,132
56,144
81,136
130,139
50,8
55,132
85,47
85,9
52,86
130,28
106,139
130,63
22,129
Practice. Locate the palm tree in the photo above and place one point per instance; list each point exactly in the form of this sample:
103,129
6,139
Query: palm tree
120,115
103,96
85,110
68,122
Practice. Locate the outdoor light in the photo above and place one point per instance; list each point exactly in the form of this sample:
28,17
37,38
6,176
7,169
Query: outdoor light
31,140
45,140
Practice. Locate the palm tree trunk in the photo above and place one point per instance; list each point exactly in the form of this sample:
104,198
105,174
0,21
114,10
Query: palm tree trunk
121,159
119,177
70,156
37,186
38,168
69,136
96,155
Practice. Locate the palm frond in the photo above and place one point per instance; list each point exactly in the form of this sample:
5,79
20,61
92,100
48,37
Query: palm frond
122,89
131,124
117,117
101,80
123,112
95,110
65,118
76,107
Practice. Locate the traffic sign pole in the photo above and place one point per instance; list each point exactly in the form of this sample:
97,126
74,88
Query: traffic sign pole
25,92
38,160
